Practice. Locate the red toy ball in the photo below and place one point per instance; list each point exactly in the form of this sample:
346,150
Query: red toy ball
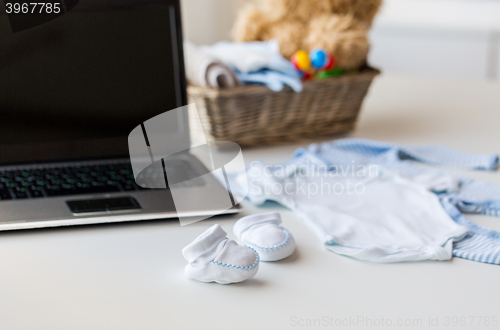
307,75
330,63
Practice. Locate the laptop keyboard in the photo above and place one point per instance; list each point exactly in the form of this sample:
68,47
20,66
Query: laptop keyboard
63,181
56,181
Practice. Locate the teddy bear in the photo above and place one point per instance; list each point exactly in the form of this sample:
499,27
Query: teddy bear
338,26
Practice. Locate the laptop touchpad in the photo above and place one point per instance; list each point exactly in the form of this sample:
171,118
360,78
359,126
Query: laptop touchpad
103,204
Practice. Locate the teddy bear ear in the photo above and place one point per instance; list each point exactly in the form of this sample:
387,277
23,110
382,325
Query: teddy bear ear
250,25
363,10
277,10
302,10
367,9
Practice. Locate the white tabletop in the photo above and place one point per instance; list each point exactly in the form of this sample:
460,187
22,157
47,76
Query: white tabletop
130,276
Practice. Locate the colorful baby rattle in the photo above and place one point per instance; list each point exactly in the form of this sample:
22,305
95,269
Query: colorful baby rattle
301,61
321,60
318,59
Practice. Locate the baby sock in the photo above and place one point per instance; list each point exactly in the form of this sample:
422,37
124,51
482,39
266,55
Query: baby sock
213,257
263,233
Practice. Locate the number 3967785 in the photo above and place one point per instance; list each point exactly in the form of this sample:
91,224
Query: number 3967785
33,8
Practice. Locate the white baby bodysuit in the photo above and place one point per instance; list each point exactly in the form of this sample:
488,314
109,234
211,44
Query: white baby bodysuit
378,217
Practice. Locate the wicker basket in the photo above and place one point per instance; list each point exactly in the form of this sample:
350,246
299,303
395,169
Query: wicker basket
254,115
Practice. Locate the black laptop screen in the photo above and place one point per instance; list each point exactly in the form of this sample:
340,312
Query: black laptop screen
75,86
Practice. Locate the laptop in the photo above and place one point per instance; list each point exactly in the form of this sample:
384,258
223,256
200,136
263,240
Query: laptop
72,88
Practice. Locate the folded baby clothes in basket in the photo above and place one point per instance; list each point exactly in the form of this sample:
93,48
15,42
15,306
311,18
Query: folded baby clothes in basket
205,70
252,62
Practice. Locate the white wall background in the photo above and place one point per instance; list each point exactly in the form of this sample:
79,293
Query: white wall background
208,21
453,38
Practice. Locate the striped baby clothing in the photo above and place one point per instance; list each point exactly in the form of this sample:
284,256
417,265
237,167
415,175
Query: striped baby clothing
472,196
400,174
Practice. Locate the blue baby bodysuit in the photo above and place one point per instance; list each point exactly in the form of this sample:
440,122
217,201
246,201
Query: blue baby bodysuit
474,196
457,194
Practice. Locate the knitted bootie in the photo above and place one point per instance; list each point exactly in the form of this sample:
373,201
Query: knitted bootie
263,233
213,257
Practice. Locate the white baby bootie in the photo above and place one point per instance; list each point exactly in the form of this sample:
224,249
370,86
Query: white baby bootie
213,257
263,233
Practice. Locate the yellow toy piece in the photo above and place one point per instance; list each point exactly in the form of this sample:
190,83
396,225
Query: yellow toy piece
301,60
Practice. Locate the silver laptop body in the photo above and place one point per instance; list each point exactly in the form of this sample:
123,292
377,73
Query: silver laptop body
71,89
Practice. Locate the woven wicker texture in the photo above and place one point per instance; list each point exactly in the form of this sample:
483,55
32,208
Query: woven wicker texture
254,115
